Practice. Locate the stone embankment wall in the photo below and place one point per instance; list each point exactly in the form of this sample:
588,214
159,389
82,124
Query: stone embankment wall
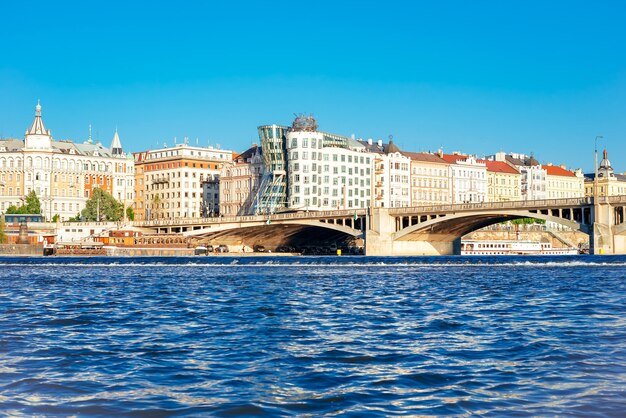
148,252
20,250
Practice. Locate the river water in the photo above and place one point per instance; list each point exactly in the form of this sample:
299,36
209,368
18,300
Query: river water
311,336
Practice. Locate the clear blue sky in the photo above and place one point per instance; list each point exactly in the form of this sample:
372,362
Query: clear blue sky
542,77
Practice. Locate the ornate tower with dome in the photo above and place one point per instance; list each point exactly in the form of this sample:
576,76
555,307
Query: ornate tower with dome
38,137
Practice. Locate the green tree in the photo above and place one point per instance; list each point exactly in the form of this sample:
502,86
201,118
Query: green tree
31,206
527,221
101,206
130,214
3,236
56,218
75,218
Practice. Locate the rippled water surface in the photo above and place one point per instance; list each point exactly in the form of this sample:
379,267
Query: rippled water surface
313,336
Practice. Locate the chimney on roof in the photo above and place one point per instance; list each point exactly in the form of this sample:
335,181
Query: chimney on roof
369,141
440,153
500,156
563,166
380,142
549,164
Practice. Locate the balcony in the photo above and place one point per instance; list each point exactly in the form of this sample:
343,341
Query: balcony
161,180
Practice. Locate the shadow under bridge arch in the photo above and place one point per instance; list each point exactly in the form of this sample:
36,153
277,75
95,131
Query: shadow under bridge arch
277,232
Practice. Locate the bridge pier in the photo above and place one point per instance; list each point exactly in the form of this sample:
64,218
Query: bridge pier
603,239
380,241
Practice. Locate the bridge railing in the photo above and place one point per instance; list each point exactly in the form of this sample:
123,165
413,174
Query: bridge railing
251,218
413,210
513,204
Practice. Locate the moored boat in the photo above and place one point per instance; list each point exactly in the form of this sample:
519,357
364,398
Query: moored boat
512,247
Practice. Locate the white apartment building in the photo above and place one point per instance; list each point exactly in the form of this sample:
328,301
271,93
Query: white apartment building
468,178
326,171
392,170
62,173
171,181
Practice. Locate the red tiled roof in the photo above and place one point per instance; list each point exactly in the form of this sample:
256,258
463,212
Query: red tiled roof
499,167
555,170
453,158
424,156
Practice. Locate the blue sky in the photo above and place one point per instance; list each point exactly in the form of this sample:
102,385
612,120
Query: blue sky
474,76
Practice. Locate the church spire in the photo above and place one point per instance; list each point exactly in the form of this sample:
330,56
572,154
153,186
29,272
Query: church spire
38,128
116,145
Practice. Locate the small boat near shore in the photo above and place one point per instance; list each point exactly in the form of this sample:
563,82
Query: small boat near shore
512,247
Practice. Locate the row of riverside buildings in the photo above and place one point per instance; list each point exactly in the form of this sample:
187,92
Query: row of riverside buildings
295,167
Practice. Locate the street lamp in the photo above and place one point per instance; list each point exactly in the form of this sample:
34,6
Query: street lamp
595,177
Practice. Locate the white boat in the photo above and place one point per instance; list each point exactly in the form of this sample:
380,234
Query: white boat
512,247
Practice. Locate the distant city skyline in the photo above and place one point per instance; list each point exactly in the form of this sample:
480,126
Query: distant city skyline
479,77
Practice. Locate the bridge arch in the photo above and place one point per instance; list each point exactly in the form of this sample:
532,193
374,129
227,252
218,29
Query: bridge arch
296,233
264,225
454,226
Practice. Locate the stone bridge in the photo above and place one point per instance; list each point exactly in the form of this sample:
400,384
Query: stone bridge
424,230
297,228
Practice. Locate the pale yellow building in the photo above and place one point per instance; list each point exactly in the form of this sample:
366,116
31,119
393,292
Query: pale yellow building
504,182
562,183
62,173
430,179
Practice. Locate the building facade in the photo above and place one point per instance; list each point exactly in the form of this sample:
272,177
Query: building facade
240,182
62,173
391,174
326,171
534,185
504,182
468,178
430,179
171,183
562,183
272,195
